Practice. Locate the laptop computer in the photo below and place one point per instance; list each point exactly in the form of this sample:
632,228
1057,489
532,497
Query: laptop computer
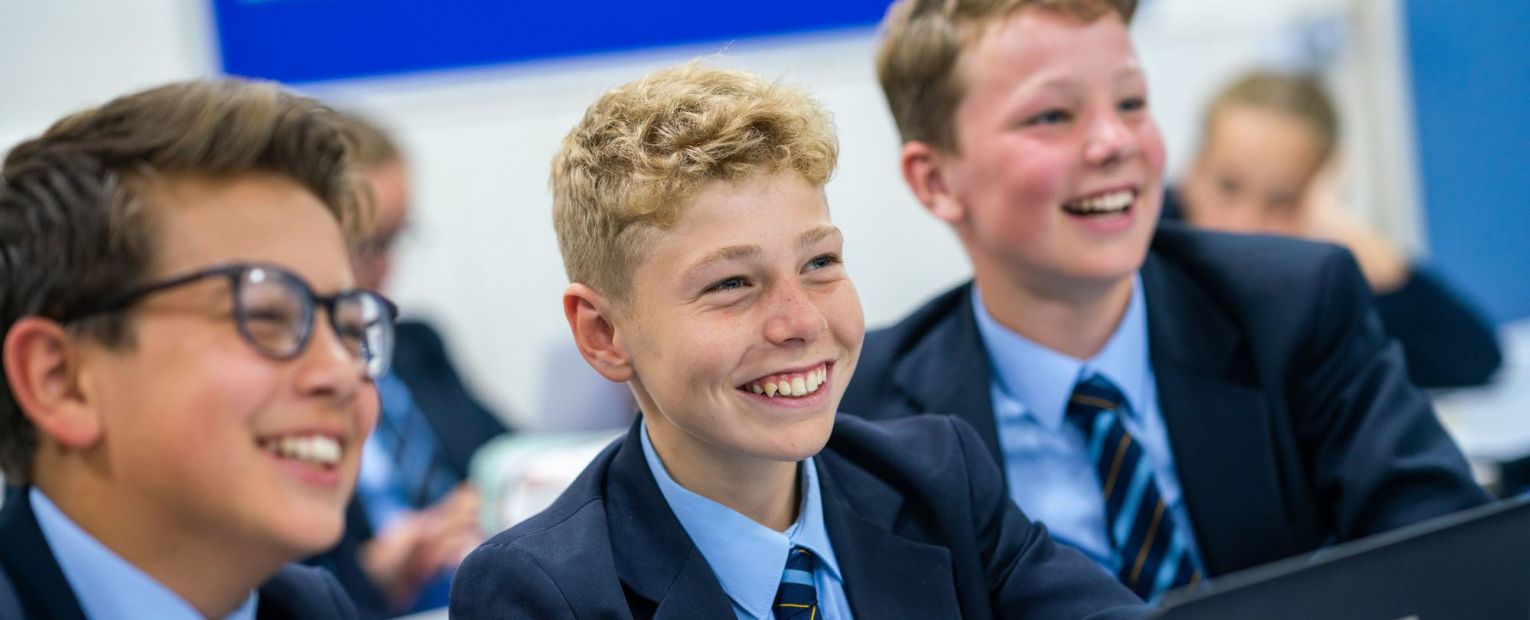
1472,564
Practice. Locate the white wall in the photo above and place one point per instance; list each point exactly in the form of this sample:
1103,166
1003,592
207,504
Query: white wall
482,262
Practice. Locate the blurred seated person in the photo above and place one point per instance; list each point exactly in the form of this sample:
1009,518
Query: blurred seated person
1268,164
414,517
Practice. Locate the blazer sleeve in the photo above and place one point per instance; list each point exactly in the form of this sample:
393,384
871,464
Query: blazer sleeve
505,581
1030,575
1446,342
1373,443
343,607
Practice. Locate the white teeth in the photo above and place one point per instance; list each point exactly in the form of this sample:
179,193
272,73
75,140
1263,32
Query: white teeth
796,385
1114,201
317,449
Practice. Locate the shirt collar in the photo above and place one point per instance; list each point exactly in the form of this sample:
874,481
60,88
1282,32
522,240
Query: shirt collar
1043,379
106,585
747,558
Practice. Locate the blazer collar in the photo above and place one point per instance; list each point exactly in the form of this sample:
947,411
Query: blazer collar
886,575
27,559
1219,422
947,371
654,556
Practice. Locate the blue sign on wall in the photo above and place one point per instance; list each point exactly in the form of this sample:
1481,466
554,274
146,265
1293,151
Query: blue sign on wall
311,40
1471,82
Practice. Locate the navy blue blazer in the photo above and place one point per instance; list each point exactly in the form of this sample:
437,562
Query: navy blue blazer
461,425
296,592
1446,342
918,515
1289,411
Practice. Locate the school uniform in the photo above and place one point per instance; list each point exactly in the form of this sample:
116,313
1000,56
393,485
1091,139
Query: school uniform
1285,417
914,512
59,571
1446,342
429,408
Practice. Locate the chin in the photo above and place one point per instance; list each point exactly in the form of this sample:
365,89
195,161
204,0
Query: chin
306,525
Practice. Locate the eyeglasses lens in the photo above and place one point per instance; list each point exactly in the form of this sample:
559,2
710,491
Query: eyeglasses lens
274,312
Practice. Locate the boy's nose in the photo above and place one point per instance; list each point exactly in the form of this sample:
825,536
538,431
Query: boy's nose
327,368
793,317
1109,140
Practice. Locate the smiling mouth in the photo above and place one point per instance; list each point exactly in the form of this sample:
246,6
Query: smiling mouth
790,384
1102,205
321,451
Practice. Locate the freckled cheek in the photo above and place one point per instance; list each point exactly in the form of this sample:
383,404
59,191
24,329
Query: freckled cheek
704,357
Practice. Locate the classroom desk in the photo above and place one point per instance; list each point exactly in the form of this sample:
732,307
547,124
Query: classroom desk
1492,423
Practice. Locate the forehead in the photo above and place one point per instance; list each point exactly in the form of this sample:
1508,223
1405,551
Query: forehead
1263,134
769,211
715,214
1039,44
203,221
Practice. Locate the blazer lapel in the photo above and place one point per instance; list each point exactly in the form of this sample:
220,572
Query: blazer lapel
948,372
655,558
27,559
1220,427
885,575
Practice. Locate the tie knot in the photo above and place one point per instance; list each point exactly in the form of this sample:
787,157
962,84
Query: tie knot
797,597
800,559
1091,397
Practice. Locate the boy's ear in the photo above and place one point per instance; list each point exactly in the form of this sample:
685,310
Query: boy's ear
590,317
42,368
922,171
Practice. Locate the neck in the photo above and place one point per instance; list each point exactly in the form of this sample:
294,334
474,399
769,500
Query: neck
763,490
1075,320
210,572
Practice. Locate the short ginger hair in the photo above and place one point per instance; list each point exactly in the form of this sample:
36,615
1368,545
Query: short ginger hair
644,148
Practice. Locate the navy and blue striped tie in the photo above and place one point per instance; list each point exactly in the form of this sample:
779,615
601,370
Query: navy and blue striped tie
797,598
1151,556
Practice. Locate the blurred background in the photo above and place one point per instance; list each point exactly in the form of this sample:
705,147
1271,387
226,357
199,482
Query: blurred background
480,92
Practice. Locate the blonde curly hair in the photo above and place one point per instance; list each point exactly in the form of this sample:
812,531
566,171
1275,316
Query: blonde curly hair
643,149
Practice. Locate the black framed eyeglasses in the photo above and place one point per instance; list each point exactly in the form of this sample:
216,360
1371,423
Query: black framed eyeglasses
274,310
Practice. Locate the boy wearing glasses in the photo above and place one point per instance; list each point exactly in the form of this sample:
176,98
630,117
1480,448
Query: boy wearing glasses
188,368
707,275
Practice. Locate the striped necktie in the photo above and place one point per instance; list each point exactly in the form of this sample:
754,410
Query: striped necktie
1151,556
797,598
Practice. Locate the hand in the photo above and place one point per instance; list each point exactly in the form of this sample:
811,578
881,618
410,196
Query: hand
1325,217
419,545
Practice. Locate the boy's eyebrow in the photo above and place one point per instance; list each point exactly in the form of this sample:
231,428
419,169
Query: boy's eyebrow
741,252
820,233
730,253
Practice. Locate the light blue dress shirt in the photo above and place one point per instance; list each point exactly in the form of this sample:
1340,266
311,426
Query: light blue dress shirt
1046,459
106,585
748,558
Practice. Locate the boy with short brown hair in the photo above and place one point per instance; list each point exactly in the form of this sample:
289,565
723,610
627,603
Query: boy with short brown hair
1191,408
187,364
